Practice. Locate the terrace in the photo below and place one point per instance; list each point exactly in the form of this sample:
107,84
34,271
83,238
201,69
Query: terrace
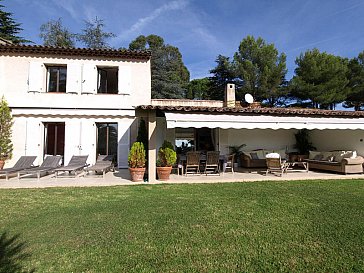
122,177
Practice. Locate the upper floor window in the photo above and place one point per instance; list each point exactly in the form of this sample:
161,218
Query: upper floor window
57,76
107,80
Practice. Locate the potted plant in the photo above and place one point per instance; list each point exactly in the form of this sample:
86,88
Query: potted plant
167,157
136,161
6,122
236,151
303,145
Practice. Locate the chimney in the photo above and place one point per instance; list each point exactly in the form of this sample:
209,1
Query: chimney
229,95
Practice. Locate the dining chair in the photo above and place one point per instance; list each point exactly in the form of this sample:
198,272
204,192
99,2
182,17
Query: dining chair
193,163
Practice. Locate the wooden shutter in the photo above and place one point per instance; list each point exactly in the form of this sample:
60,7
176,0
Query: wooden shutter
36,77
89,79
125,78
73,84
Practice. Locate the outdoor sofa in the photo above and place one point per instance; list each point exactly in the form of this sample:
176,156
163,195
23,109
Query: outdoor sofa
256,158
345,162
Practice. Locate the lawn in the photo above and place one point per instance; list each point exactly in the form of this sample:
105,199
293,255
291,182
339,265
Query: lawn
287,226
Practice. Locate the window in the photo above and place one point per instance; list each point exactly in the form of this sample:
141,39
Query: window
57,76
107,138
107,82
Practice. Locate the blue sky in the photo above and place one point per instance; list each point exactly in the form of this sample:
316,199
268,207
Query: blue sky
204,29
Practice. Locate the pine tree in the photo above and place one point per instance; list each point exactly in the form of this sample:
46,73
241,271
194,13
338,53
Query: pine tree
6,122
9,29
223,74
93,35
54,33
170,77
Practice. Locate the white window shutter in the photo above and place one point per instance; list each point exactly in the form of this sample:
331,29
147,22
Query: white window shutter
73,78
36,77
124,144
124,83
89,79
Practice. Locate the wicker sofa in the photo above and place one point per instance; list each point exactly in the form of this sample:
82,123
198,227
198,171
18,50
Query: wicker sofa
345,162
256,158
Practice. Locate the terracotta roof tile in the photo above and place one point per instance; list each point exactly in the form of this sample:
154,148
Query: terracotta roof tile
68,51
260,111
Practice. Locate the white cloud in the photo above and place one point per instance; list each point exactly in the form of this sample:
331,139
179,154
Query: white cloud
68,6
132,31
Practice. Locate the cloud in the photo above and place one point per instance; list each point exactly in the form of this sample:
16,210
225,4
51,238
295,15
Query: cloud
131,32
68,5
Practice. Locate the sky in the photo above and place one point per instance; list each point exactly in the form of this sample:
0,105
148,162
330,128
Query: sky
204,29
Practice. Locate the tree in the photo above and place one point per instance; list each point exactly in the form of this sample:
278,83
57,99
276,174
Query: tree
6,122
320,78
261,69
93,35
9,29
198,89
143,134
223,74
54,33
355,97
170,76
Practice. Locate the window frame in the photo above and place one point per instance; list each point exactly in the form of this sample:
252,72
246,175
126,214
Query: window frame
107,69
58,80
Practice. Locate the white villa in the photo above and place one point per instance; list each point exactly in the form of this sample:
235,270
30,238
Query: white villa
87,102
73,101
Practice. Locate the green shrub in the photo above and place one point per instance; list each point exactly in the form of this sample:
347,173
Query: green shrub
136,157
6,122
166,155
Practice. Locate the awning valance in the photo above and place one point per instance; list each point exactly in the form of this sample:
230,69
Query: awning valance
226,121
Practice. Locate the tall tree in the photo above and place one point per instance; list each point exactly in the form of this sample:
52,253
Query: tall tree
320,78
223,73
9,29
355,97
54,33
198,89
261,69
94,36
170,76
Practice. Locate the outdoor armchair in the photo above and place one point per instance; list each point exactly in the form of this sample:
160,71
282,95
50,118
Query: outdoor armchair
275,164
77,163
193,163
212,165
24,162
49,164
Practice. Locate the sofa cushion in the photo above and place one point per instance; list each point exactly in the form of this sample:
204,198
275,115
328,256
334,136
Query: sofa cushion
312,154
318,157
254,155
261,154
281,152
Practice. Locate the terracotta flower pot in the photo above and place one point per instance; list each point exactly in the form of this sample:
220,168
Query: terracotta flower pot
137,174
2,163
164,172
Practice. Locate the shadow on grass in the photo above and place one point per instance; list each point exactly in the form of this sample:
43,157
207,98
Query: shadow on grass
12,254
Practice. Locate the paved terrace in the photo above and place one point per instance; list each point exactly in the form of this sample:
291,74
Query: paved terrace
122,177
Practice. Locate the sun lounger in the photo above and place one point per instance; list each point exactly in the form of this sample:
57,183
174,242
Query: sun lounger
24,162
77,163
104,163
49,164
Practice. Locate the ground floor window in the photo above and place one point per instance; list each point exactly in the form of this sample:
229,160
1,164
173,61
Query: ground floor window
107,139
54,133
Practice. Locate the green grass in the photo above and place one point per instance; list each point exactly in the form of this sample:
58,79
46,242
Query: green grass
295,226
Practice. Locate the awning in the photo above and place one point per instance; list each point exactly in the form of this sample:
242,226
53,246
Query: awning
236,121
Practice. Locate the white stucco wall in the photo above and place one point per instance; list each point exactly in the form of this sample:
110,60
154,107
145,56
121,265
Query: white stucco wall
17,75
257,139
327,140
80,137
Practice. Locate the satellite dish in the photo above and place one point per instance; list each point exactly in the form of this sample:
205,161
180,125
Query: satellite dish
249,98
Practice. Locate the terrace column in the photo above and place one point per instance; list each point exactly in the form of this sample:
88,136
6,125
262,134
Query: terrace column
152,152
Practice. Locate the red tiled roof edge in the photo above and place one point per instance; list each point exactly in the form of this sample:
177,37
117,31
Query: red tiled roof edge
69,51
259,111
